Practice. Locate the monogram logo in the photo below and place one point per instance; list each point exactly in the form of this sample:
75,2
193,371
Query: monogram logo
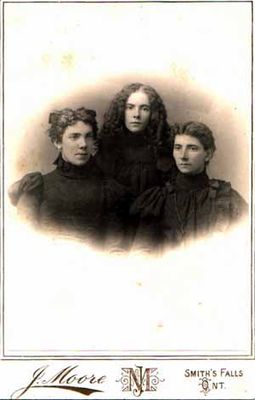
139,379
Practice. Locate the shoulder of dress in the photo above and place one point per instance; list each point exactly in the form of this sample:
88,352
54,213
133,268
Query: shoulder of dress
49,176
150,202
222,193
227,201
33,183
220,185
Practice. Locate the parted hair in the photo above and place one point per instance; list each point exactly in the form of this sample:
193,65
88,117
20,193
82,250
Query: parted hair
157,131
198,130
61,119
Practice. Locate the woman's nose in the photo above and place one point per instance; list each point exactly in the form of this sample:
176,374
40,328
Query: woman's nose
136,113
82,143
184,153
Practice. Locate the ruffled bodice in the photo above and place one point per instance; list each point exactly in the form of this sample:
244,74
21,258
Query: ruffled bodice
132,161
136,168
188,208
191,207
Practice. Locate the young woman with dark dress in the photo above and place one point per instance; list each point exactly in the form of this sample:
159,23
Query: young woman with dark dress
134,147
135,144
192,205
135,138
75,199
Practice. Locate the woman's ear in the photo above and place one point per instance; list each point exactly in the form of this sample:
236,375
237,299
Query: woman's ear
58,145
209,154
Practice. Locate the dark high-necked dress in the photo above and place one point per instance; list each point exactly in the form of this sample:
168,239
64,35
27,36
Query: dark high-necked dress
78,202
132,161
189,208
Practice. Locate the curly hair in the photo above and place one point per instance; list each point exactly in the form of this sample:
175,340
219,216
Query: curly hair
61,119
198,130
157,131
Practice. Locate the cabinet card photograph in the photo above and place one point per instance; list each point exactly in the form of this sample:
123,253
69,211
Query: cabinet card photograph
127,200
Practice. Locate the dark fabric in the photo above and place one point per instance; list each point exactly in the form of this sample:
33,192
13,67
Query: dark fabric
78,201
131,159
75,172
192,207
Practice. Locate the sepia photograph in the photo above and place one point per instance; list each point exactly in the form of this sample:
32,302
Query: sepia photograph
127,199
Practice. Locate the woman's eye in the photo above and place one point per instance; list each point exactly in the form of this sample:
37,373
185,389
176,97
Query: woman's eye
74,136
145,108
129,107
177,147
194,148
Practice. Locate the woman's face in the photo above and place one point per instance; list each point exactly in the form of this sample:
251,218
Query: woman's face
190,155
137,112
77,143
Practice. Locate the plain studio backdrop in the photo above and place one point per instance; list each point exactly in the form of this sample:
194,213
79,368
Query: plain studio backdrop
67,298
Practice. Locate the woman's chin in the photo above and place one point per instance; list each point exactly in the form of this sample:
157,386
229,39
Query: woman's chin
79,162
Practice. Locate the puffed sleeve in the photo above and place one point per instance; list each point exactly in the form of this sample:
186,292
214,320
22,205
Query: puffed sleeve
28,205
150,202
26,184
239,207
228,206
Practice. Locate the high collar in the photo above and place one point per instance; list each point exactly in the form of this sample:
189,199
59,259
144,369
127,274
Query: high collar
69,170
189,183
135,139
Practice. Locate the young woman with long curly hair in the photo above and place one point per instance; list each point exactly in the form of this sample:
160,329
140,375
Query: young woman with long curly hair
133,147
135,140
